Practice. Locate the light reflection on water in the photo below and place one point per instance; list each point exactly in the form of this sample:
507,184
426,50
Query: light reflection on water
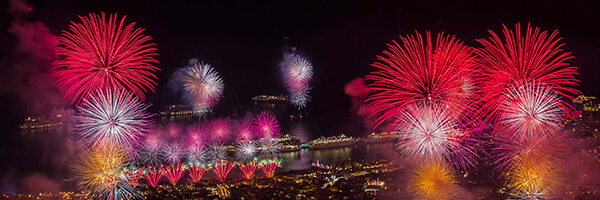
303,159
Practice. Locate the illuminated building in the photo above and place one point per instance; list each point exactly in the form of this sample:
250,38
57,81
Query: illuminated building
42,122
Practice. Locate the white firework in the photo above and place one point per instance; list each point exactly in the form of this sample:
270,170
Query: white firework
299,70
151,156
204,85
431,132
245,150
300,98
532,109
115,117
173,152
217,152
269,147
197,154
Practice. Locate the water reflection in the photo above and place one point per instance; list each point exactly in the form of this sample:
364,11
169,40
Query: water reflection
300,160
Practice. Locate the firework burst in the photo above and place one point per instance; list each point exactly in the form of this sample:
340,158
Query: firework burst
429,133
222,168
421,72
533,57
100,172
173,152
204,85
266,124
174,172
153,175
434,180
106,54
245,129
533,179
197,170
268,166
269,146
248,168
112,117
245,150
220,129
216,152
132,174
531,110
297,72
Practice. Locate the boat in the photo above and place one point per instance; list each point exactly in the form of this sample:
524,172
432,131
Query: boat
332,142
378,138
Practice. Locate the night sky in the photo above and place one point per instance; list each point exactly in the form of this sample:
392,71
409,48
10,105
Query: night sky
243,41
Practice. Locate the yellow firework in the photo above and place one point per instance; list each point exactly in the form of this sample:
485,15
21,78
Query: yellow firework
99,172
533,178
434,180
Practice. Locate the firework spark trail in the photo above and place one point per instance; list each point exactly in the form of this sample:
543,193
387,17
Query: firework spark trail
245,150
434,180
197,170
220,129
153,176
133,174
113,117
268,166
248,168
173,152
531,110
102,53
430,133
421,72
204,85
266,124
532,57
222,169
174,172
99,172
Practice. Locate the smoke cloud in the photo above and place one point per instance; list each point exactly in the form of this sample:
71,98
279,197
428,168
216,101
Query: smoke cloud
357,91
27,74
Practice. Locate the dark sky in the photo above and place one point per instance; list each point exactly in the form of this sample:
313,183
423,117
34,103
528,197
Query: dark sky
243,40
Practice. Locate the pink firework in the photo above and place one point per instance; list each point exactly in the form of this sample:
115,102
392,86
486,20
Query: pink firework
245,129
268,166
154,140
266,124
421,72
197,171
114,117
220,129
197,134
102,53
174,172
133,174
430,133
222,168
531,110
518,59
173,131
153,176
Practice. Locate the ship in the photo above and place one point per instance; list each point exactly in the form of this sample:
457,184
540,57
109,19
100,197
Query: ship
288,143
32,123
332,142
378,137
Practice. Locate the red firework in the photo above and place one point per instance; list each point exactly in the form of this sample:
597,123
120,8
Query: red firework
104,53
535,57
133,175
268,166
197,171
174,172
153,176
422,72
248,169
266,124
220,129
222,169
